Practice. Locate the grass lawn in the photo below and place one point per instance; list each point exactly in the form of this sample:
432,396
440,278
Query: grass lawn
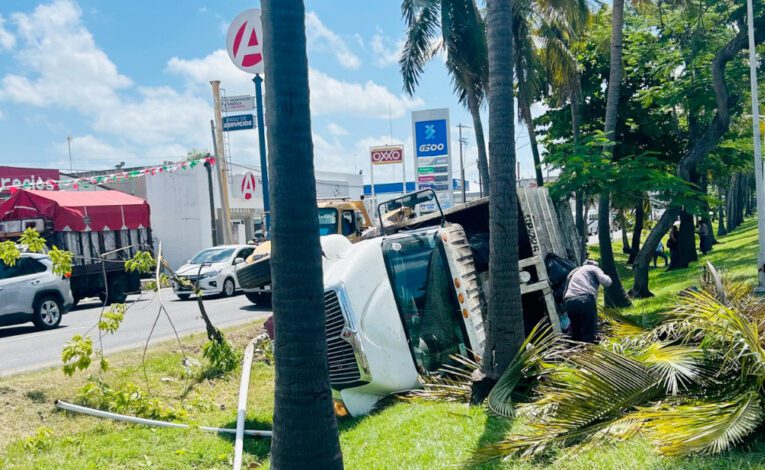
404,435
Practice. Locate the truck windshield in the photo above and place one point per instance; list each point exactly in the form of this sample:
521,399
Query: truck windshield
421,283
327,221
213,255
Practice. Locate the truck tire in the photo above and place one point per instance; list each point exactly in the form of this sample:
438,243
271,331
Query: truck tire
47,312
117,290
261,299
229,288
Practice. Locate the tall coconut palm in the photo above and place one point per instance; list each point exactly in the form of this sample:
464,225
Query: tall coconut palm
615,295
504,332
463,38
305,429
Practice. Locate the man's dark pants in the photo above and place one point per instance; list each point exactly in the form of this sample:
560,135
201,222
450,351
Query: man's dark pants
583,314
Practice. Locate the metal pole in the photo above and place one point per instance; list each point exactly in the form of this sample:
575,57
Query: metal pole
263,159
212,203
221,158
480,182
69,145
462,164
757,150
372,180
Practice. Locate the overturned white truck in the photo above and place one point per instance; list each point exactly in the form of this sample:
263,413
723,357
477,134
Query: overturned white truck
399,305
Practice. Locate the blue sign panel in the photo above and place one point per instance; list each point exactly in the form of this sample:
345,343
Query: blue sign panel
238,123
432,138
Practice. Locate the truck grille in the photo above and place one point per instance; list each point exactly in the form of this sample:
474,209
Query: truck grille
343,369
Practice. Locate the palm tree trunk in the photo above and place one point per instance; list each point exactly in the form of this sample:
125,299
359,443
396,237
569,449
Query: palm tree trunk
524,102
711,240
305,430
721,213
625,235
504,331
579,215
615,296
483,159
685,252
638,232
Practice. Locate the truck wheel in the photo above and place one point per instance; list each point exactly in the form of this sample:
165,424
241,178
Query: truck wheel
47,313
183,296
229,288
117,288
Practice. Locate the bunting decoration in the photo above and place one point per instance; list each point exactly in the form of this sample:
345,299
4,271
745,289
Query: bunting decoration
120,176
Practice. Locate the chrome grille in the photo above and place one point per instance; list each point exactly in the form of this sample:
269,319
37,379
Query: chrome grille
343,369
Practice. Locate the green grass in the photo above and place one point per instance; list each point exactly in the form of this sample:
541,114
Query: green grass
404,435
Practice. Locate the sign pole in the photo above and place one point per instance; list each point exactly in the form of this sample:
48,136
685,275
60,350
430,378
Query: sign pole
758,168
372,178
263,160
221,157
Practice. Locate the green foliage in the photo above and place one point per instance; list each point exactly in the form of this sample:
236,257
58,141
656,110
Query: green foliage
62,261
112,318
222,356
128,399
32,240
41,440
77,354
9,253
142,262
264,348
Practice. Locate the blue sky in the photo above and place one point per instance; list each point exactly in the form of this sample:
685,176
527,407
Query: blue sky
129,81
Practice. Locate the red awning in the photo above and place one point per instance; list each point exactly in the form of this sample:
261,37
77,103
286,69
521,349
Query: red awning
78,211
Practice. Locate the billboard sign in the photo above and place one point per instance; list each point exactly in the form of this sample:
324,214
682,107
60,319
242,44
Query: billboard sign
386,155
239,122
432,150
36,178
235,104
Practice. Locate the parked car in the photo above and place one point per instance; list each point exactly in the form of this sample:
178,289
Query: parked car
31,292
216,269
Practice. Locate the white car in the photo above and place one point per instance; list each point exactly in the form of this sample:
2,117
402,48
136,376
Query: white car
30,291
215,269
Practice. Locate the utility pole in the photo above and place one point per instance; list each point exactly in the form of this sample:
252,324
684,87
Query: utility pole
758,170
462,162
221,159
258,80
69,145
212,203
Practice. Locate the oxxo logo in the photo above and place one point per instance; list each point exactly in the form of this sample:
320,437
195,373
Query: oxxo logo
385,155
431,147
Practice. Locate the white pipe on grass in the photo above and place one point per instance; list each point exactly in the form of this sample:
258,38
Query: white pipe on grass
241,412
150,422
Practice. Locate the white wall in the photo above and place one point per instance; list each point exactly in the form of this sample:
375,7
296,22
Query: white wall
180,213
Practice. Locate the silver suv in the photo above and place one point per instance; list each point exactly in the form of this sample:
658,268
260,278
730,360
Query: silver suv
29,291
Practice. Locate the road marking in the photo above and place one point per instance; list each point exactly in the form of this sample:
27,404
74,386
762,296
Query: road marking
43,333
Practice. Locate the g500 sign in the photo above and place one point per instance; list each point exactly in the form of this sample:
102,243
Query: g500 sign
386,155
431,138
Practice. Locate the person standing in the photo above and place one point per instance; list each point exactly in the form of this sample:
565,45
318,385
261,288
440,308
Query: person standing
703,237
581,296
672,241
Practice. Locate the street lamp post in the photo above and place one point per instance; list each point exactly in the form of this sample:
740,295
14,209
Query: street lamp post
758,176
462,163
69,146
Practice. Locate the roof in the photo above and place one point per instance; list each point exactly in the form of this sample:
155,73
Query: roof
78,211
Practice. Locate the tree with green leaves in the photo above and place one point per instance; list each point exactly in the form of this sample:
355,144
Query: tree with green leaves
463,39
305,430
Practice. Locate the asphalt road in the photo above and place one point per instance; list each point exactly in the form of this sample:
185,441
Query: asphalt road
22,348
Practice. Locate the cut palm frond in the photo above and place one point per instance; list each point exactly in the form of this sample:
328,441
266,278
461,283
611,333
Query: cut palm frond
678,367
451,383
540,343
703,427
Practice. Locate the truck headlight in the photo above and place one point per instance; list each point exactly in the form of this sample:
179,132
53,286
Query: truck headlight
525,276
210,274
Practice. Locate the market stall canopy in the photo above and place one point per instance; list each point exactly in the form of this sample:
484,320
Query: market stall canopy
78,211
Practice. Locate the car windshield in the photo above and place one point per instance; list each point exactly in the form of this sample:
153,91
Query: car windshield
426,301
327,221
213,255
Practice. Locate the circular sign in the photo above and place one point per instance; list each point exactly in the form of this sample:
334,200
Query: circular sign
248,185
244,41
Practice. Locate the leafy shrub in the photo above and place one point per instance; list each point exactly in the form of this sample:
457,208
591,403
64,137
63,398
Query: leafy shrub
222,356
130,399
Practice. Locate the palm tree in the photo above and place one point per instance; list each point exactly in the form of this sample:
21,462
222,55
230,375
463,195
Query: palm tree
615,296
504,331
305,429
463,37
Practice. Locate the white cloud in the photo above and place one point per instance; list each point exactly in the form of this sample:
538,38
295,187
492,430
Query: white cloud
89,150
336,129
214,66
386,50
322,39
7,39
67,68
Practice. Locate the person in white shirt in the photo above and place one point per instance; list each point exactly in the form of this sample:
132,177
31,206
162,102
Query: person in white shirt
581,296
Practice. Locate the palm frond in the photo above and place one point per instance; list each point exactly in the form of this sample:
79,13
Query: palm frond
678,366
537,345
702,427
451,383
422,19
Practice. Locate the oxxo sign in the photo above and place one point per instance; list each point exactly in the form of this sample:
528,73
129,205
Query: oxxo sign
244,41
387,155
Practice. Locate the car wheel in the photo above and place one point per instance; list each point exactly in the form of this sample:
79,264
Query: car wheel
184,296
47,313
229,288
